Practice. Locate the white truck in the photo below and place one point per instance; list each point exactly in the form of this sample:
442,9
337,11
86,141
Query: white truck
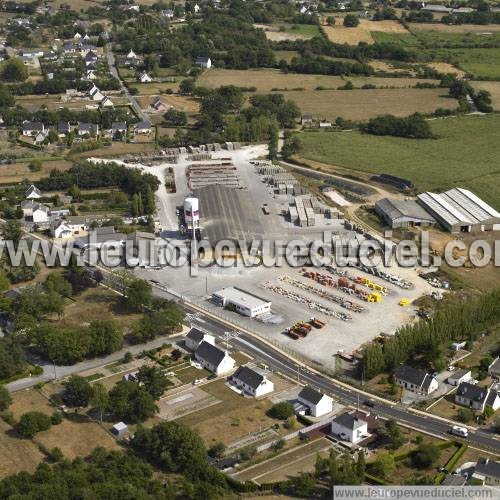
459,431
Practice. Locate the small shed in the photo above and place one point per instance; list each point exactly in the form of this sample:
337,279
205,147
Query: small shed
120,429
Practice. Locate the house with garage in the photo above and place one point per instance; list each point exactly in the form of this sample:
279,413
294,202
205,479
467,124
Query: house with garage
349,427
214,359
251,382
195,337
415,380
316,402
476,397
32,193
457,377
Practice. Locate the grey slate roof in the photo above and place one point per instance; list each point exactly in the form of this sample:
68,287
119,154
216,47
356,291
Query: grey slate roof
310,395
349,421
395,209
454,480
411,375
458,374
488,468
210,353
495,366
118,126
472,392
248,376
29,126
195,334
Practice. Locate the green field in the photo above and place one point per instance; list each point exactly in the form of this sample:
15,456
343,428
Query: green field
465,154
303,30
405,39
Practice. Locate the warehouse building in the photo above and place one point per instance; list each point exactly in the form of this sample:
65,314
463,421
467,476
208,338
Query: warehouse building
241,301
403,213
460,211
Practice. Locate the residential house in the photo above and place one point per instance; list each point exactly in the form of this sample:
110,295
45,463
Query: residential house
88,48
118,130
142,127
90,58
77,37
325,124
131,59
78,224
459,376
106,102
159,106
414,380
144,77
494,368
214,359
63,129
487,471
88,129
69,47
196,8
349,427
476,397
35,212
306,119
31,129
195,337
95,94
41,136
90,75
251,382
50,55
32,193
32,53
317,403
60,230
203,62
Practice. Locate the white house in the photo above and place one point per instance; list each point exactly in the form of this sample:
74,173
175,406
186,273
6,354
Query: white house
31,129
214,359
142,128
35,212
317,403
32,193
252,382
494,368
414,380
476,397
90,75
487,471
144,77
95,94
459,376
203,62
106,102
195,337
60,229
349,428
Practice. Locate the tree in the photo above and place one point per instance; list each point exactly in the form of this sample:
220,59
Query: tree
175,117
5,398
291,146
488,412
154,380
31,423
56,283
330,20
173,447
12,231
425,456
138,293
6,98
130,402
187,86
351,21
384,465
281,411
217,450
465,415
392,431
77,392
301,486
106,336
99,399
14,70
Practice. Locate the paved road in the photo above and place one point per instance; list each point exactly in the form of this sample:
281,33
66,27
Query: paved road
112,68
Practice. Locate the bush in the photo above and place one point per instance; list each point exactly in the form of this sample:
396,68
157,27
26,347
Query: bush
56,418
465,415
31,423
5,398
77,392
217,450
281,411
351,21
425,456
55,454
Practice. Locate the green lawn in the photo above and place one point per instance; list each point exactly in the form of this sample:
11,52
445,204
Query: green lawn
405,39
304,30
465,154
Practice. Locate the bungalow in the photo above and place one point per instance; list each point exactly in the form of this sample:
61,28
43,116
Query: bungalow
487,471
214,359
35,212
32,193
349,427
31,129
195,337
459,376
476,397
494,368
88,129
252,382
317,403
144,77
414,380
203,62
63,129
142,127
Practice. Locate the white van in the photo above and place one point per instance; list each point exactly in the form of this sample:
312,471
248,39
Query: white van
459,431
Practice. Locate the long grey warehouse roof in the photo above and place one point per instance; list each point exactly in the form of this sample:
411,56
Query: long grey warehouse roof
458,206
404,208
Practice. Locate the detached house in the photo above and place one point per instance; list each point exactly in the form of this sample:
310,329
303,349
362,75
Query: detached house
487,471
159,106
494,368
32,193
142,128
349,427
35,212
63,129
195,337
414,380
118,129
144,78
203,62
31,129
95,94
251,382
106,102
131,59
317,403
87,129
476,397
214,359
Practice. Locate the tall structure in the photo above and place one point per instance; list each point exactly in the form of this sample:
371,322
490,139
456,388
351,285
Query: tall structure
192,213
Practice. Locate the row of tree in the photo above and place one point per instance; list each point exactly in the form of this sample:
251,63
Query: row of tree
413,127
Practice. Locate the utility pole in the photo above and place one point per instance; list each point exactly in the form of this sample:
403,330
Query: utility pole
55,373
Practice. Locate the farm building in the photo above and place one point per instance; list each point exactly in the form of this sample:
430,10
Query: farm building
403,213
460,211
242,302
